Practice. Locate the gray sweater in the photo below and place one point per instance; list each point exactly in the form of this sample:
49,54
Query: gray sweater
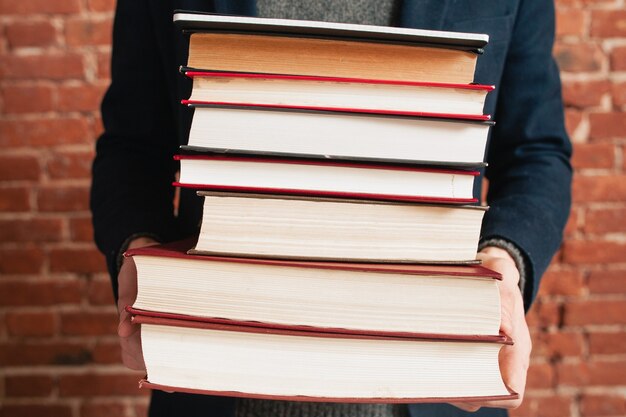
373,12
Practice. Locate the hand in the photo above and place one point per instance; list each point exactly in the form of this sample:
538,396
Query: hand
514,359
130,337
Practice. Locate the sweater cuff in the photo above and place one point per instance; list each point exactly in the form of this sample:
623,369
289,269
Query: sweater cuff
126,244
518,257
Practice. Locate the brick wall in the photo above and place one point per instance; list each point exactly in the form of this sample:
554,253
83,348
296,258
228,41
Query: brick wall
58,349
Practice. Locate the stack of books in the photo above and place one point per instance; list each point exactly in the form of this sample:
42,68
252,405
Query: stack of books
336,259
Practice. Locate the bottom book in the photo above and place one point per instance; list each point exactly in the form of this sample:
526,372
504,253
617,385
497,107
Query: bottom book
255,362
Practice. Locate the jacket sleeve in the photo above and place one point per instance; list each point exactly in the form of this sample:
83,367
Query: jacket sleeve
133,168
529,171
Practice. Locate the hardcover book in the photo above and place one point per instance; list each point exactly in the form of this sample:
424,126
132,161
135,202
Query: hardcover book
340,297
243,361
326,178
463,101
309,228
247,44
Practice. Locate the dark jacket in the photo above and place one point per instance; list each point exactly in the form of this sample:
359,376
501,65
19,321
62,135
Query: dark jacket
529,172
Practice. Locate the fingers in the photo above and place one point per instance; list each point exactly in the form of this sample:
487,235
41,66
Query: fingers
513,359
132,354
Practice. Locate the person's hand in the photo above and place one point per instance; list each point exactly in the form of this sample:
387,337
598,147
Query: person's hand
514,359
130,337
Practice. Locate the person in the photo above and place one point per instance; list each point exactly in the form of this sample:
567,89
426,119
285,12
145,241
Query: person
528,164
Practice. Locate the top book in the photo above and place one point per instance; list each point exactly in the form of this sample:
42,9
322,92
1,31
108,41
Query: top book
282,46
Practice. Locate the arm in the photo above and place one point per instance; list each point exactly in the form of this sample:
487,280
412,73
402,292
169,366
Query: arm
133,169
529,182
529,171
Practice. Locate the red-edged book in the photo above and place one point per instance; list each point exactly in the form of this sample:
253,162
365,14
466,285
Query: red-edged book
426,99
377,135
338,297
235,359
325,178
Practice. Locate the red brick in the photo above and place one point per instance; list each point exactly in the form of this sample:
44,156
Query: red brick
26,260
101,5
573,222
81,229
595,312
35,354
599,188
573,119
602,405
608,23
104,65
543,314
540,376
102,409
33,230
592,373
39,6
35,410
80,32
76,260
141,409
610,220
14,199
99,385
70,165
607,282
86,97
107,353
593,251
41,33
607,125
27,99
99,292
582,94
605,343
558,345
28,386
40,293
578,57
594,155
570,22
44,132
31,324
63,198
18,167
562,282
89,324
554,406
49,66
618,58
618,91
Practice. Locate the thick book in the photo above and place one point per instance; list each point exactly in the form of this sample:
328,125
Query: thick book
247,361
318,134
463,101
326,178
309,228
247,44
338,297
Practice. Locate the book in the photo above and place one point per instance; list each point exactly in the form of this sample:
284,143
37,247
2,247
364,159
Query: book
246,44
310,228
463,101
325,178
337,135
336,297
243,361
